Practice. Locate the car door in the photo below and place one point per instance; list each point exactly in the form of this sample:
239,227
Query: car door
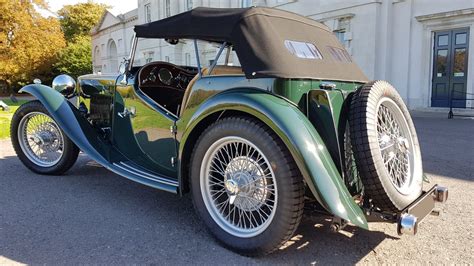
143,132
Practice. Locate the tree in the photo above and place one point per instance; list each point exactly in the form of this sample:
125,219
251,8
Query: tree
79,19
76,59
76,22
29,43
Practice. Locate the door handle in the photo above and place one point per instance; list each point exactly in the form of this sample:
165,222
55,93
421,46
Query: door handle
131,111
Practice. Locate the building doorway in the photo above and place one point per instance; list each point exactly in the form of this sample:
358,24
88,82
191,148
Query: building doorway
450,62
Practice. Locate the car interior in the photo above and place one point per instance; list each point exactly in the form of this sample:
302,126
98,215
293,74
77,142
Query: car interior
169,85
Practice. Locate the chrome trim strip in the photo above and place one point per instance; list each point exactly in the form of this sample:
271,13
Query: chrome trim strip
143,174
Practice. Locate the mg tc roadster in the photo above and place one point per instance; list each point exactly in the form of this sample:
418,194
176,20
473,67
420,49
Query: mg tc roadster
297,122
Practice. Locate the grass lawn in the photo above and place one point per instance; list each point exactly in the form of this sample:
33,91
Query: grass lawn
6,116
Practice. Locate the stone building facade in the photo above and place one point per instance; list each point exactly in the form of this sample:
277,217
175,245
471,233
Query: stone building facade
420,46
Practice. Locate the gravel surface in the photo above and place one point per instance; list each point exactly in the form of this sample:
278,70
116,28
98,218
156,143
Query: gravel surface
91,215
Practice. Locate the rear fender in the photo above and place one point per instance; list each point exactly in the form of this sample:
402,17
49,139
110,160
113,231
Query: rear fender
301,138
76,127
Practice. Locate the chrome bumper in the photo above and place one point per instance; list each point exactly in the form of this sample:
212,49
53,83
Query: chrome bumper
413,215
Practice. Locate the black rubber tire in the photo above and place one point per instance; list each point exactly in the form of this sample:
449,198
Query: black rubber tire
70,151
369,161
289,181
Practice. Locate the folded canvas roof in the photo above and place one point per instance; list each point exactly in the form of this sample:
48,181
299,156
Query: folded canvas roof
269,42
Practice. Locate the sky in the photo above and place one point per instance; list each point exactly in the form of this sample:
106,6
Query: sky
118,6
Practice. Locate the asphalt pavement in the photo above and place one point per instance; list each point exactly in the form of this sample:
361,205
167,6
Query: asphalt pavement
92,216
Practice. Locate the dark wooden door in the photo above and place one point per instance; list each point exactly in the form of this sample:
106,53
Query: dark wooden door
450,68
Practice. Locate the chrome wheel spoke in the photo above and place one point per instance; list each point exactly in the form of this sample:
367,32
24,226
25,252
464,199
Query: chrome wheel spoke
395,143
40,139
239,186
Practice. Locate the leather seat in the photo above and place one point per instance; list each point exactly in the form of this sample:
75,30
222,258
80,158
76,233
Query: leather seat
218,70
226,70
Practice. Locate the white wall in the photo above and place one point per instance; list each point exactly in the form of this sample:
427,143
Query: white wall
120,33
385,37
411,45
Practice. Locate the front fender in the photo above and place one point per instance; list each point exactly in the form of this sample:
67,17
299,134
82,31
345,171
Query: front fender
69,120
301,138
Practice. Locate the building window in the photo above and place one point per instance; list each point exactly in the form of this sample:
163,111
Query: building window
147,13
96,53
342,31
340,35
189,4
148,57
167,8
246,3
167,58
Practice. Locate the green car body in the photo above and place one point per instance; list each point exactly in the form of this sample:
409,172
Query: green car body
299,84
307,115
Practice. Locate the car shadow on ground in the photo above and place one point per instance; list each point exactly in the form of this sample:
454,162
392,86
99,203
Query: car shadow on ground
314,239
91,215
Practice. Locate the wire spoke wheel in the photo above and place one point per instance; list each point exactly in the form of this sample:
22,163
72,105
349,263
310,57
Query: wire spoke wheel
352,177
40,139
245,185
238,186
386,146
395,143
39,142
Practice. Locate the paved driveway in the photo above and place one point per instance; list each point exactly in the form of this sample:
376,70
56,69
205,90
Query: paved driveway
91,215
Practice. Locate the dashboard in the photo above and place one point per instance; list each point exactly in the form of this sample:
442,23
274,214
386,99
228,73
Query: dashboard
163,74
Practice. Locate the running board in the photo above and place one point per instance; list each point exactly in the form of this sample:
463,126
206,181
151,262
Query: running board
145,177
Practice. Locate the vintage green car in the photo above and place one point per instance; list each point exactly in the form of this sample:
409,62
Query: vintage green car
297,124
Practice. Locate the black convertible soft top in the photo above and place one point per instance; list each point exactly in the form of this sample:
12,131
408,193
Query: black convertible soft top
269,42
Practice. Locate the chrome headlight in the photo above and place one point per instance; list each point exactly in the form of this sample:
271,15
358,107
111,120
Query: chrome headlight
65,85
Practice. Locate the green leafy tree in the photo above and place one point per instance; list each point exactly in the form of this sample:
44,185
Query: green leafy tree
76,22
75,59
79,19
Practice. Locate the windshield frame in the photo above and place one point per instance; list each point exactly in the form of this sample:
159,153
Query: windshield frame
223,45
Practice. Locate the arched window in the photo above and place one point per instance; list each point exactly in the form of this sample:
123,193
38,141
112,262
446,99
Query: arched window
97,62
112,49
96,55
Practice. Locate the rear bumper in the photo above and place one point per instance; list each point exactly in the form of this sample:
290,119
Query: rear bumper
409,219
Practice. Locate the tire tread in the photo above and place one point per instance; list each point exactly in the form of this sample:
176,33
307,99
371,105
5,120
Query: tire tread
296,185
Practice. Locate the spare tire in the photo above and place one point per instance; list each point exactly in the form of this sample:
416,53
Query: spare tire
385,146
